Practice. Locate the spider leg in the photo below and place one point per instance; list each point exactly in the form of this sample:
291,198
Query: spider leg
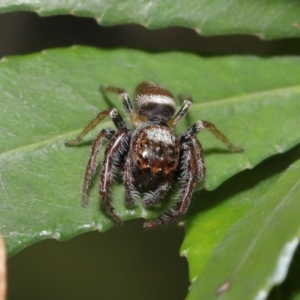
130,190
199,125
191,171
151,198
187,102
111,112
92,163
176,211
125,100
117,147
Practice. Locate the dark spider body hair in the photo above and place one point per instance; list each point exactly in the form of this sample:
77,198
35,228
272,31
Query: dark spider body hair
151,157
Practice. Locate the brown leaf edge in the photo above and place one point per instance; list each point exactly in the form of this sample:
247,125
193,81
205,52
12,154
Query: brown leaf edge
2,270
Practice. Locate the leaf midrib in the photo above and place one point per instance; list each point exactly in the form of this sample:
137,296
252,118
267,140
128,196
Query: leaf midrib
206,105
268,220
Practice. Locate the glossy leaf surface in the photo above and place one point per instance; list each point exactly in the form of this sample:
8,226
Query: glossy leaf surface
267,19
47,98
247,239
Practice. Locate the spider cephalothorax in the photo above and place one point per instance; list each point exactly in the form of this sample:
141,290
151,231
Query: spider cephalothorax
150,157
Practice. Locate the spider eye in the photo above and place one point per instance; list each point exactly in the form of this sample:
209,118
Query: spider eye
154,101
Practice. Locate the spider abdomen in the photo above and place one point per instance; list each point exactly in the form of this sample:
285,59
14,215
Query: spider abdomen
156,149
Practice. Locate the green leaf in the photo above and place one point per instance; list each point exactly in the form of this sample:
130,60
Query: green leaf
245,241
47,98
266,19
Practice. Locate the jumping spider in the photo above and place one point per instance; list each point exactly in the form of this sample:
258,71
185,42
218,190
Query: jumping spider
150,157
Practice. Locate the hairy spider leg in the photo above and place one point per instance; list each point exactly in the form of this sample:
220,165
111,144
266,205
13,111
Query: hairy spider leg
199,125
151,198
116,146
118,121
129,181
124,97
92,163
187,102
105,133
192,171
